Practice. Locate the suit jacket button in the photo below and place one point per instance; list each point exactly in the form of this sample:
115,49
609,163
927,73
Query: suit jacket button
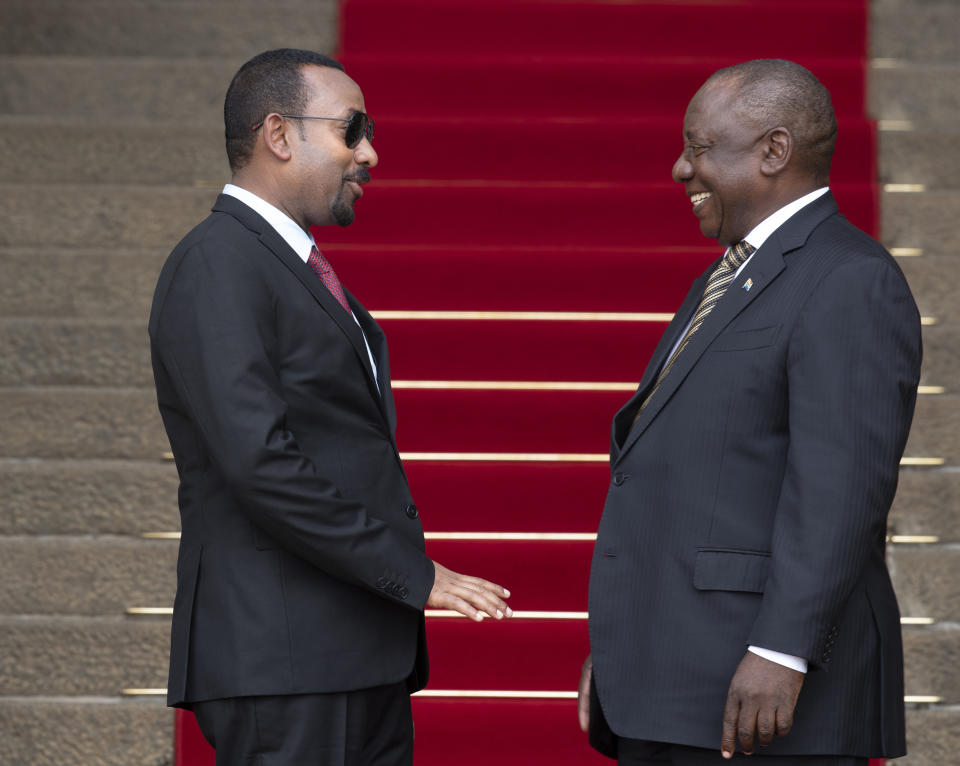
618,478
381,582
411,511
403,592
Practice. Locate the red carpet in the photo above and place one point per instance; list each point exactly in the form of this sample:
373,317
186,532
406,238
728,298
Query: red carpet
525,154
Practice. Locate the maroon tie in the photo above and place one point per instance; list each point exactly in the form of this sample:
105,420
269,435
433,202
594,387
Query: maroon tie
322,268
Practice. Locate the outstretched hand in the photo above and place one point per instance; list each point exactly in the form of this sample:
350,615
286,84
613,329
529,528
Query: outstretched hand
472,597
760,704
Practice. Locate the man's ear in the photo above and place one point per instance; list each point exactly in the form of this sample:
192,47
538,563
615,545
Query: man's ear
274,134
777,151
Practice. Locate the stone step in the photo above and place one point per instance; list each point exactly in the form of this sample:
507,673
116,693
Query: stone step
927,94
47,150
932,737
191,90
927,503
925,219
81,423
42,150
84,353
104,575
915,30
933,280
936,428
931,659
925,578
104,28
79,283
124,732
108,216
88,497
106,352
85,575
60,731
117,216
84,656
123,423
171,91
941,355
90,656
129,497
920,156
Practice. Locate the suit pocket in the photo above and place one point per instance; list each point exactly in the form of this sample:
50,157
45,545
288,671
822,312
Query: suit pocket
727,569
744,340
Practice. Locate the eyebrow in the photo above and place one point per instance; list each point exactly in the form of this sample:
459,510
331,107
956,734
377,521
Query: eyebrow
700,138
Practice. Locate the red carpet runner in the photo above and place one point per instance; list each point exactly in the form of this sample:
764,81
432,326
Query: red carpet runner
525,155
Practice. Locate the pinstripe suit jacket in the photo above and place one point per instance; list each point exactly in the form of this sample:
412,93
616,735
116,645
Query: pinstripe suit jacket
748,504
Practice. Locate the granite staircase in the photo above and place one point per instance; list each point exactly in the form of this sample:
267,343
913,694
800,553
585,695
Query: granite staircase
110,149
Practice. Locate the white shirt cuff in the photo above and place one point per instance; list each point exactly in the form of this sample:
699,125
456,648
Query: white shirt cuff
797,663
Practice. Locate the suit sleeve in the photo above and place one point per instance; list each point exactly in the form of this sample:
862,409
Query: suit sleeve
214,337
852,370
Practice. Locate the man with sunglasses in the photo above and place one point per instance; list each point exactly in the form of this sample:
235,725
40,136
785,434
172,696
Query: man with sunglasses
298,624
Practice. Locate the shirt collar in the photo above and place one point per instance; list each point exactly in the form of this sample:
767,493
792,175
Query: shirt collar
759,234
299,240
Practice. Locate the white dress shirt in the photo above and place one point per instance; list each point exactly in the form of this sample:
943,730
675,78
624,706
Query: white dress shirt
300,241
757,236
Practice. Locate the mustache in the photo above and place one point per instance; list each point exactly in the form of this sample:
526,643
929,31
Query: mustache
361,176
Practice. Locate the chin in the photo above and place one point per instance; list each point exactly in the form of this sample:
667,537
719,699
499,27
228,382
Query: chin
710,232
343,214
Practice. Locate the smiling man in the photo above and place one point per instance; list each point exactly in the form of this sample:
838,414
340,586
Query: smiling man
739,599
298,623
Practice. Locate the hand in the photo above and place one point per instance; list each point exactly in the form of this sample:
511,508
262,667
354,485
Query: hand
760,702
583,693
470,596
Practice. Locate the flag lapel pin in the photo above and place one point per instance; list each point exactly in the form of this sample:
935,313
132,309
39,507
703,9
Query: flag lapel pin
747,285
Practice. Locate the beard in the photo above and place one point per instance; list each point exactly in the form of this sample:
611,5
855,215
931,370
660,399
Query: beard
343,213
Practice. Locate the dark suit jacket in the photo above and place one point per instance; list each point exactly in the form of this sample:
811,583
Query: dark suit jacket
749,504
302,565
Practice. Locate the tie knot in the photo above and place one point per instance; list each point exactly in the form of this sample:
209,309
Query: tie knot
739,253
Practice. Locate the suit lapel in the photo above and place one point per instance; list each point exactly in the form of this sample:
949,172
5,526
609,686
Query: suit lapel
286,255
762,269
625,415
378,347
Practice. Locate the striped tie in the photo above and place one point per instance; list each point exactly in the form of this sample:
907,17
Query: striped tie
716,285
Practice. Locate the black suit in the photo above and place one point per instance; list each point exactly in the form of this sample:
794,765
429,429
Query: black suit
302,565
748,504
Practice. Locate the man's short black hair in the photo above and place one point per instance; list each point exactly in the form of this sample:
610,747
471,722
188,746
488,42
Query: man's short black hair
775,92
269,82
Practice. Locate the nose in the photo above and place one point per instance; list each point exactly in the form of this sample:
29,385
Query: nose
365,154
682,169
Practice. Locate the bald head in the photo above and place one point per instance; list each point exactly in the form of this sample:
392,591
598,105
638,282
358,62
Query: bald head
776,93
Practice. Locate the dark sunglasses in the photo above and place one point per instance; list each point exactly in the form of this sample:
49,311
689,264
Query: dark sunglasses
359,126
